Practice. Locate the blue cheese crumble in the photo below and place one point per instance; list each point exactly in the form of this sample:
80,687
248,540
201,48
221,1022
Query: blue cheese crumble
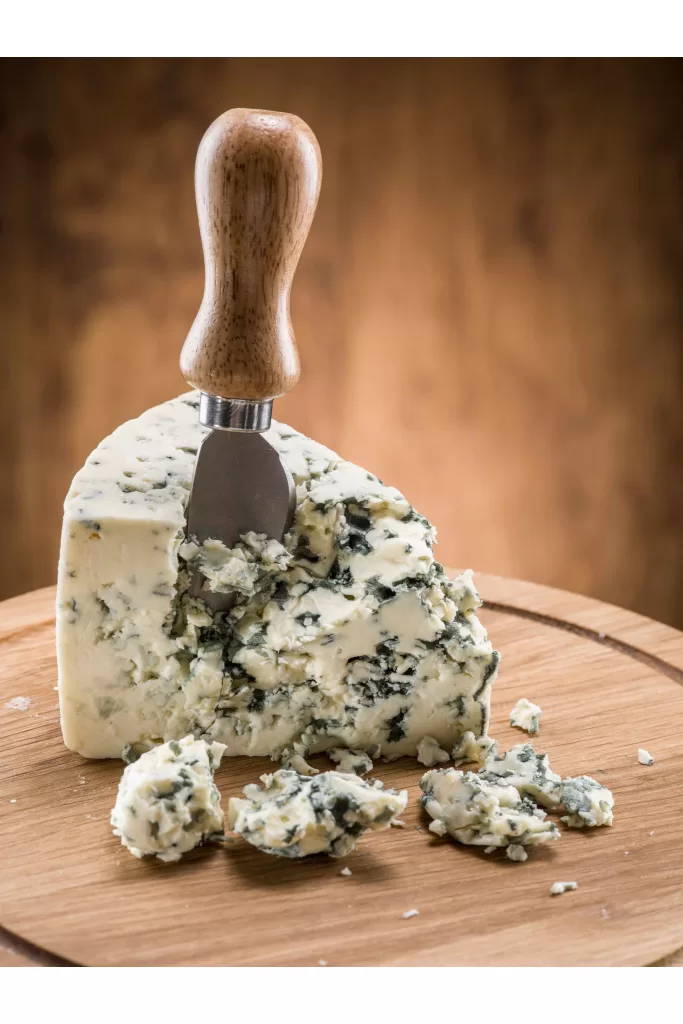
167,802
430,753
530,773
356,762
557,888
296,763
479,812
245,569
294,815
499,804
349,634
588,803
470,748
525,715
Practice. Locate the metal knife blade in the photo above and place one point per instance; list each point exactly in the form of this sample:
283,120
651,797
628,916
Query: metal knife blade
240,484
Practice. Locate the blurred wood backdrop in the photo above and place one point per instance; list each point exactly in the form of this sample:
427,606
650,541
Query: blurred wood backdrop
489,308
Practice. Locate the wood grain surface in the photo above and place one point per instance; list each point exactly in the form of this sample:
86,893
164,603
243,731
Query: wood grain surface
608,681
488,309
257,181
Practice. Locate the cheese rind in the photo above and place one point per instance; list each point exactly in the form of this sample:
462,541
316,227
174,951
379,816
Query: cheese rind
167,802
295,815
348,635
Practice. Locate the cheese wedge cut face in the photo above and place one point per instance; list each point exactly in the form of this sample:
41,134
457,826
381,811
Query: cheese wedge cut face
348,635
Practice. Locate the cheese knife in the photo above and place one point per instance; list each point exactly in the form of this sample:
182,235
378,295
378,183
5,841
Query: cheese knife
257,181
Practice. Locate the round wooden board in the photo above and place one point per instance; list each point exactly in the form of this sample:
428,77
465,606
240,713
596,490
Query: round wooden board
608,681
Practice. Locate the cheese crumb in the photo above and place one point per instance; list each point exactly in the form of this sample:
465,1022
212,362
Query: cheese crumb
346,872
323,963
590,804
351,762
430,753
525,715
410,913
19,703
470,749
296,763
645,757
516,852
559,887
13,801
397,823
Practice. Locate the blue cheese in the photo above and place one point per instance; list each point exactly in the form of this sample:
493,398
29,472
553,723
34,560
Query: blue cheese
645,757
167,802
471,748
525,715
430,753
483,812
295,816
347,635
296,763
557,888
245,569
356,762
527,771
589,803
498,805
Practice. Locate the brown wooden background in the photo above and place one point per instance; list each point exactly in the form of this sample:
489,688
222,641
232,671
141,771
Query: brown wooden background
489,308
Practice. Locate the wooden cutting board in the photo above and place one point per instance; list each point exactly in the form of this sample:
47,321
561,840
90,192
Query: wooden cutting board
609,681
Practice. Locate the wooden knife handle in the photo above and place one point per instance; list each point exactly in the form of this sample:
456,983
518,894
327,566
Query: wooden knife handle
257,180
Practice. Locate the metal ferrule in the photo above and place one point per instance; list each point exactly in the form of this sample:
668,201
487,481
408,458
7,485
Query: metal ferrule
234,413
